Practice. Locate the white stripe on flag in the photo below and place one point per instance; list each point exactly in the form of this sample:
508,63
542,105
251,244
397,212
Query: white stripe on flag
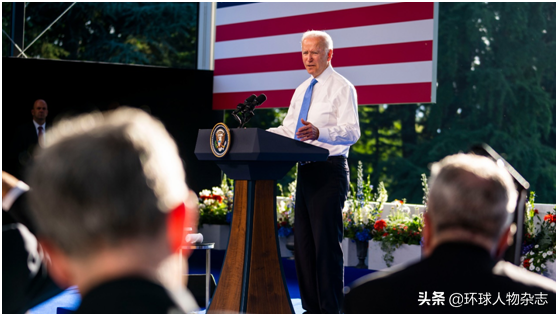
272,10
358,75
346,37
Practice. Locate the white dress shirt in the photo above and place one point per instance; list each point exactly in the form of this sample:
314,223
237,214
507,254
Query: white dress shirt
333,110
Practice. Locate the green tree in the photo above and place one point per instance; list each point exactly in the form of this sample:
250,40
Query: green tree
160,34
6,27
496,84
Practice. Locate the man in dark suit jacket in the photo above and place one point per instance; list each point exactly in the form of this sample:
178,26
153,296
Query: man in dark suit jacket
108,201
27,137
467,229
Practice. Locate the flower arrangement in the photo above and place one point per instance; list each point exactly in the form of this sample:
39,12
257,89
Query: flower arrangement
285,210
539,241
362,209
215,205
401,227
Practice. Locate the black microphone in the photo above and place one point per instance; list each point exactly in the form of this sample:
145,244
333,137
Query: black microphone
241,107
248,111
258,101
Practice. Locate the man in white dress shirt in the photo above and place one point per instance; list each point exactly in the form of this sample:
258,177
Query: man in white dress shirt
323,112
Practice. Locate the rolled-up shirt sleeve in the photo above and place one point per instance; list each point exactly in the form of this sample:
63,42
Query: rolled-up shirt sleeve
347,129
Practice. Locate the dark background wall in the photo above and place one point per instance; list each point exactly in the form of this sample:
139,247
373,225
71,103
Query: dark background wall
180,98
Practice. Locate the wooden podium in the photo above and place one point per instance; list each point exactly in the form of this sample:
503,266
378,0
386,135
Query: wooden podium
252,279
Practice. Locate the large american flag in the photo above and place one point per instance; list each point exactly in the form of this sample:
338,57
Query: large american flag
387,50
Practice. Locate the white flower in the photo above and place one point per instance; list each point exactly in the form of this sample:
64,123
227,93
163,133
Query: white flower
531,253
217,191
543,266
552,224
537,268
536,246
365,211
549,253
531,267
406,209
538,260
544,254
205,192
347,206
531,260
209,201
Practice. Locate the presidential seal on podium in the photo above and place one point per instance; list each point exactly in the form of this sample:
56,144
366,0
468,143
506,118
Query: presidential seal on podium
220,140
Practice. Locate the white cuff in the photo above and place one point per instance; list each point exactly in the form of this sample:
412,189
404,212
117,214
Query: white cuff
324,135
14,193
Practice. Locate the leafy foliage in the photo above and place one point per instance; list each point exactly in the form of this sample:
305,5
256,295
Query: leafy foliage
216,206
159,34
539,240
286,209
401,227
496,84
362,209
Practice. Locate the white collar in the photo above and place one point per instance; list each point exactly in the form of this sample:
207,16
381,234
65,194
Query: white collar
37,125
325,74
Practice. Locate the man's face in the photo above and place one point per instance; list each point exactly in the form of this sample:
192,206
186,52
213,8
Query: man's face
40,111
314,55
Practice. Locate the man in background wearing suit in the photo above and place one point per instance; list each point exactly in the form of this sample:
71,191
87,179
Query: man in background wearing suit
467,228
27,138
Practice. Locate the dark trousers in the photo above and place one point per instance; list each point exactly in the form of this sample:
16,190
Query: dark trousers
321,192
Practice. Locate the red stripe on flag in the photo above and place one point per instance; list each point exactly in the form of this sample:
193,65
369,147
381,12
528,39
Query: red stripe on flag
275,99
343,57
394,93
376,94
374,15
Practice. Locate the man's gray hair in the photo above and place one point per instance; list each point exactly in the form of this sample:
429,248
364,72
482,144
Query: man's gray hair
472,193
321,34
102,179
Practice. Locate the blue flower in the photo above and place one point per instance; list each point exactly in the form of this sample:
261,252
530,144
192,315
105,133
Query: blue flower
285,232
526,249
363,235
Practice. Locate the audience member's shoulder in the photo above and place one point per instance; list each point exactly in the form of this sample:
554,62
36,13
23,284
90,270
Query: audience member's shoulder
374,281
523,277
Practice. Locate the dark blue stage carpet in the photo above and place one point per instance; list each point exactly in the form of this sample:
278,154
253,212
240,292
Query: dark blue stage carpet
70,299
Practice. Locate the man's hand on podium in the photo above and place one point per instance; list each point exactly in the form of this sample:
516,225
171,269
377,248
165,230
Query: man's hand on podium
308,131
